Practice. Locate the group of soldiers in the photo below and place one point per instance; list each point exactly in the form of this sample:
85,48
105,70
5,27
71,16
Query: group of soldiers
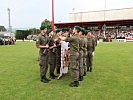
79,53
7,41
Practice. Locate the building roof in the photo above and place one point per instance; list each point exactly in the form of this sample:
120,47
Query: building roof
113,17
96,23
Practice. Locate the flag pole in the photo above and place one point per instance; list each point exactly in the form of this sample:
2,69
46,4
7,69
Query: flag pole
53,15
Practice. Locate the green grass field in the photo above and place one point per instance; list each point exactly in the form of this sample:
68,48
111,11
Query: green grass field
112,78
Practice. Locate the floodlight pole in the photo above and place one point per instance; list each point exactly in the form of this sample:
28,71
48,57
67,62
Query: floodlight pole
104,18
8,9
53,15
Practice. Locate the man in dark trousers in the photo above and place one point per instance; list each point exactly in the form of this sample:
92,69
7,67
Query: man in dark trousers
74,55
58,50
52,54
90,51
43,53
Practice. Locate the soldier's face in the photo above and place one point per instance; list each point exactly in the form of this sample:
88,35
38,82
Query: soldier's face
66,34
51,33
80,33
45,30
89,34
59,33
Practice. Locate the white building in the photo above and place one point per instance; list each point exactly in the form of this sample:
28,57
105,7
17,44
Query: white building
7,34
103,15
121,18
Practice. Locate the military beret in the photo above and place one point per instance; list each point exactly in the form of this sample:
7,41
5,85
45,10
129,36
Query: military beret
43,27
49,30
65,30
87,32
58,30
77,28
83,30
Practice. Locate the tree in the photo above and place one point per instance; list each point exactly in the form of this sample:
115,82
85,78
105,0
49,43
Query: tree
34,31
47,23
21,34
2,28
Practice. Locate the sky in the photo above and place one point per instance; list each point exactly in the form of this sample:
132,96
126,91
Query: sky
30,13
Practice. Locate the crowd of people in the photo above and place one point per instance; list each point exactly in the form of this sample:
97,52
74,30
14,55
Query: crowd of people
7,41
108,36
125,34
64,50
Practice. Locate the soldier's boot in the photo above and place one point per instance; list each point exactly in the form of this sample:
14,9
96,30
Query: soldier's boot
52,76
55,75
90,69
58,71
84,73
74,84
81,78
44,80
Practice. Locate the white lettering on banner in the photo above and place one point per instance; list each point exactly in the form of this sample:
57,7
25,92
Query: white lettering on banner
121,40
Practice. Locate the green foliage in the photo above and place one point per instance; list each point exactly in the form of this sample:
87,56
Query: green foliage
21,34
34,31
47,23
111,79
2,28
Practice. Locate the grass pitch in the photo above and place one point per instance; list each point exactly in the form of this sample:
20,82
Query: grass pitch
112,78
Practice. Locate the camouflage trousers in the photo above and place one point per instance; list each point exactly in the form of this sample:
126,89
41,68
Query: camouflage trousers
52,61
84,63
43,62
81,68
89,59
74,66
58,60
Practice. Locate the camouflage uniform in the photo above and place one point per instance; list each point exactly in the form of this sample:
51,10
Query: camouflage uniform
43,58
52,57
81,44
85,55
90,49
74,56
58,56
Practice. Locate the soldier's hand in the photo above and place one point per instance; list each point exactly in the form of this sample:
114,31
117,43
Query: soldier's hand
93,53
54,45
55,40
47,46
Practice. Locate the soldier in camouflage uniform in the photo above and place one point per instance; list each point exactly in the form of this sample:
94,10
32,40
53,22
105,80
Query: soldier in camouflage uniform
58,50
95,38
90,50
74,55
52,54
43,57
85,52
81,50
